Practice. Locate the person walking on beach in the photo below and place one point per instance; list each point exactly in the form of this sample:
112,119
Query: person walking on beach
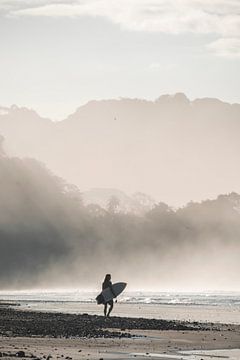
108,284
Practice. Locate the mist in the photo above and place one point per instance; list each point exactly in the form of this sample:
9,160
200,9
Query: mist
173,149
50,239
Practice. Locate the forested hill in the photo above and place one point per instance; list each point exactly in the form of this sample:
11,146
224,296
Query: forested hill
49,238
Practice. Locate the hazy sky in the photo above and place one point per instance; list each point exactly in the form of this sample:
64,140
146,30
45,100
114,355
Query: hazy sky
58,54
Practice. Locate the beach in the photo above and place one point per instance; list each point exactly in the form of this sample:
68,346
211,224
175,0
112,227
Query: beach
219,307
206,313
42,335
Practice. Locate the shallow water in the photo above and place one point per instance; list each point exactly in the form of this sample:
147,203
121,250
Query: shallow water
203,307
233,354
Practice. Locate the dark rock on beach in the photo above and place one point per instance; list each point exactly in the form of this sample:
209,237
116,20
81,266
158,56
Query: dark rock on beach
28,323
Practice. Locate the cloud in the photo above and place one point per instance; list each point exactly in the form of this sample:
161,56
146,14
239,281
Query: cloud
219,17
174,16
157,66
226,47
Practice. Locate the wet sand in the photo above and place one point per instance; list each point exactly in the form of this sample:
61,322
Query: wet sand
60,336
154,344
203,313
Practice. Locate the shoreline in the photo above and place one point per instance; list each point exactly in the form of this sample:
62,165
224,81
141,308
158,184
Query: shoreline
33,323
204,313
71,337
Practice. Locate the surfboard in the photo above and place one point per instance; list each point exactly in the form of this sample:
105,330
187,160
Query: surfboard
107,295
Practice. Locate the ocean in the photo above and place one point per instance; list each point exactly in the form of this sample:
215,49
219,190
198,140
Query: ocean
205,306
135,297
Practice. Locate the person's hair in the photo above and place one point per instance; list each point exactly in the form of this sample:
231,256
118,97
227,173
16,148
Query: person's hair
107,277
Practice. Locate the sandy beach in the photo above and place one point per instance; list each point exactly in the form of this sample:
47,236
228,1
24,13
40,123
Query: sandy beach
39,335
154,344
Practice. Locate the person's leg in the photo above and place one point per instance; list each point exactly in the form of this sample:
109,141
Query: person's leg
105,309
111,307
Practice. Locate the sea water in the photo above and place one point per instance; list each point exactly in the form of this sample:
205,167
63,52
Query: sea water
204,306
135,297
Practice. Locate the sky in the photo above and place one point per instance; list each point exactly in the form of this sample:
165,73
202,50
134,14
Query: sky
58,54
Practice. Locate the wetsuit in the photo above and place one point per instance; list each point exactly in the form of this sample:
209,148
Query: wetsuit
108,284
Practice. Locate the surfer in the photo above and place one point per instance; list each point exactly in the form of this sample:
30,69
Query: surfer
108,284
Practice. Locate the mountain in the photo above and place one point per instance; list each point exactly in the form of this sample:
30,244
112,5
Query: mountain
25,132
172,148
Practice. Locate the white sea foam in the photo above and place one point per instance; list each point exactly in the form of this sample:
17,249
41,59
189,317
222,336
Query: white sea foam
165,298
4,111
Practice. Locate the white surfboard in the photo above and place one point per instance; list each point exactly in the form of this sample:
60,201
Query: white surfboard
107,295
